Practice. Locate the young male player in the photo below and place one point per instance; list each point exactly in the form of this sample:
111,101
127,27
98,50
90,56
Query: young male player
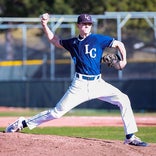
86,51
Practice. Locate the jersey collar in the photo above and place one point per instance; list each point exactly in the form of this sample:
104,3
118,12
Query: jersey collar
80,38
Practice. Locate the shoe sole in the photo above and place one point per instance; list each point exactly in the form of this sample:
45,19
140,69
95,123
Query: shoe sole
143,144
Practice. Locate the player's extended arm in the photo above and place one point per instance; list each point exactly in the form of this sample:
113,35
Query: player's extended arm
120,46
50,35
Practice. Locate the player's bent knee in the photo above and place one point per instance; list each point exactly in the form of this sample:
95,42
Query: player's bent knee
124,101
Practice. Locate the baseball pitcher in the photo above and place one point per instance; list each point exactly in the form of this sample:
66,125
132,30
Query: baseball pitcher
86,50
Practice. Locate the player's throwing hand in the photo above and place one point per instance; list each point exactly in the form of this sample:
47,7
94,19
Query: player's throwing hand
44,19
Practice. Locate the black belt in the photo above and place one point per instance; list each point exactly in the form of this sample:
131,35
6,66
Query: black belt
91,78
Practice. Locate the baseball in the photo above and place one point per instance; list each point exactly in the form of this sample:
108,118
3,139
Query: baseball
45,16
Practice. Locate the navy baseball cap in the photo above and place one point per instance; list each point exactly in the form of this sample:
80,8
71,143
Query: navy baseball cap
84,18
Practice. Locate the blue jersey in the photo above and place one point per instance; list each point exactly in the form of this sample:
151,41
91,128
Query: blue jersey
87,52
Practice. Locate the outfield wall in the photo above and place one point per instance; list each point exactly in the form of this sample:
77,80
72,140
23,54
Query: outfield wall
142,94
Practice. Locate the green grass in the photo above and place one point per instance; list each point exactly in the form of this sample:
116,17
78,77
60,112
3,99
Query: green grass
85,132
107,133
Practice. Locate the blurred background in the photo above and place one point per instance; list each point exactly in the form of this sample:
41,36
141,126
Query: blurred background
34,73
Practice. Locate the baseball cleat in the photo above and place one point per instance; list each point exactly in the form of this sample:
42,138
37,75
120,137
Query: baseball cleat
135,141
15,126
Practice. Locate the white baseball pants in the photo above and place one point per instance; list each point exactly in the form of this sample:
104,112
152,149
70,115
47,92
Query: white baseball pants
82,90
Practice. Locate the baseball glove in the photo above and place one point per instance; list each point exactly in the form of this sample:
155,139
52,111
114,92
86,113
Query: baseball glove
112,60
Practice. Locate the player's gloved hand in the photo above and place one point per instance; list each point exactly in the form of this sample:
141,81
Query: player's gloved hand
112,60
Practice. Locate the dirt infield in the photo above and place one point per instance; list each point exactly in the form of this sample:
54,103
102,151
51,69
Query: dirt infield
21,144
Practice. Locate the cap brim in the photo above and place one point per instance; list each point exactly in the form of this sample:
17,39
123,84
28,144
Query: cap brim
86,22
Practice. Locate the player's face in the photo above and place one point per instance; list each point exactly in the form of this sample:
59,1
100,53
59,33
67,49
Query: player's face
85,28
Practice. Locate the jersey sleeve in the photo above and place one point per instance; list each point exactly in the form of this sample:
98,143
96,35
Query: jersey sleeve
64,43
67,44
105,41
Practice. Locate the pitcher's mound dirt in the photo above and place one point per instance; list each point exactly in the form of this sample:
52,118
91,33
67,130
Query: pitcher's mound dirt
20,144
